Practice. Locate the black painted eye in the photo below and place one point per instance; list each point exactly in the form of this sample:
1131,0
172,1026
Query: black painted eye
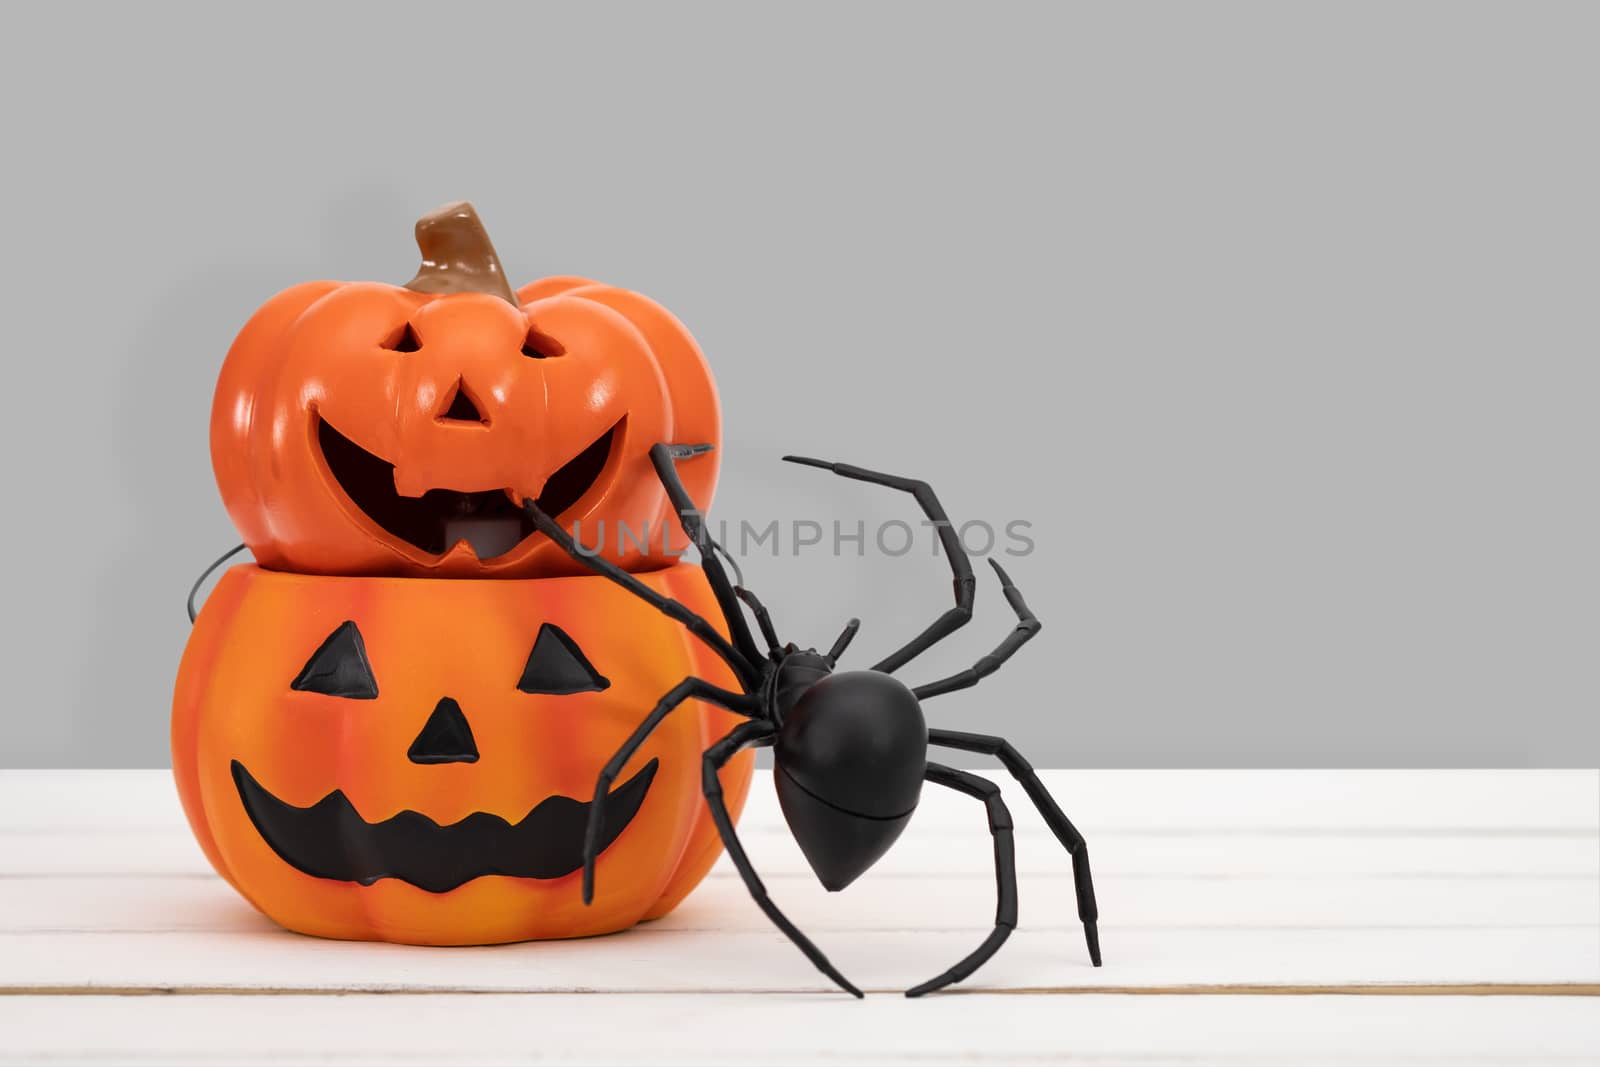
557,666
339,667
403,339
539,346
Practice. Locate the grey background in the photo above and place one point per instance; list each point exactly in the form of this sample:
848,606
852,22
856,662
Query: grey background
1278,322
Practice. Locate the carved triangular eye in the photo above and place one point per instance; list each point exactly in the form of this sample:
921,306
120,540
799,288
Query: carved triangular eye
339,667
557,666
403,339
539,346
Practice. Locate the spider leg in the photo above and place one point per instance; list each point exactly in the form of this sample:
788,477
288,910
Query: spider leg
960,566
763,618
1054,817
743,736
664,458
673,609
688,689
842,642
1005,873
1021,634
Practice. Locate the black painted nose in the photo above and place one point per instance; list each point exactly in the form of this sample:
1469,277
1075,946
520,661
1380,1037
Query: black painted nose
445,737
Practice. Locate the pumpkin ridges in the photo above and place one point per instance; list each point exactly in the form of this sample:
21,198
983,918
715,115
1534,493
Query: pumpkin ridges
692,393
274,360
692,863
705,844
233,413
551,286
195,673
705,847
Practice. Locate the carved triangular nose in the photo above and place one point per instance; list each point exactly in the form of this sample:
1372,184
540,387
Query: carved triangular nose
461,408
445,737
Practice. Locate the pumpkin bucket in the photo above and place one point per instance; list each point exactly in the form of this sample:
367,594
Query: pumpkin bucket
410,759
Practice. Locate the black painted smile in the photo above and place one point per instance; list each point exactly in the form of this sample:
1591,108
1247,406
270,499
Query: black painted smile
330,839
489,521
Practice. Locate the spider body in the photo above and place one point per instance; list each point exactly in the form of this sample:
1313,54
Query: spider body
850,747
848,763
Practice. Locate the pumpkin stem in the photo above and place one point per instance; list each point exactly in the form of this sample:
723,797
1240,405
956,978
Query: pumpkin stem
457,256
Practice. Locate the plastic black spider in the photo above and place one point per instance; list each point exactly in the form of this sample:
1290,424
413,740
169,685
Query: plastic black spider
850,748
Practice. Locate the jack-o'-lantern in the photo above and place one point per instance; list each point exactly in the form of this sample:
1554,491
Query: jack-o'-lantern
411,760
364,428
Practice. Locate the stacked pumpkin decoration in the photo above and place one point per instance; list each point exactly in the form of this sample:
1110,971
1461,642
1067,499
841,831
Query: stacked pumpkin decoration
386,728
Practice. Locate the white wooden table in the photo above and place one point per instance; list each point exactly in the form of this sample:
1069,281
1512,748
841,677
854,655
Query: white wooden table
1305,916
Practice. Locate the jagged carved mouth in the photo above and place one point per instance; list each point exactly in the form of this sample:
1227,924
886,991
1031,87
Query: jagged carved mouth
492,522
330,839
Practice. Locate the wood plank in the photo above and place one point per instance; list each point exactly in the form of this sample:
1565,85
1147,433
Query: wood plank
1549,823
652,958
1165,803
715,1030
927,850
962,902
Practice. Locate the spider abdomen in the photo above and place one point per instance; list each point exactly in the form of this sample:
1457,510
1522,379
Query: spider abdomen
850,757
